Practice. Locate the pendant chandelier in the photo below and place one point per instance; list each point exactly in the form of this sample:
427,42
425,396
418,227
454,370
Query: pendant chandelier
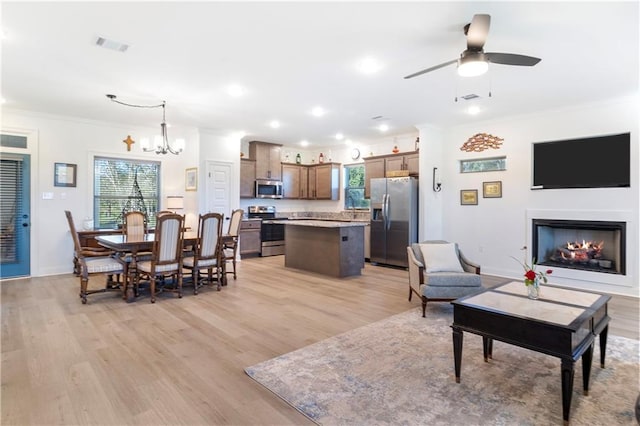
161,142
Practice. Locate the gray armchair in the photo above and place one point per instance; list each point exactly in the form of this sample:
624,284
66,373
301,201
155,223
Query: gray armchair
441,283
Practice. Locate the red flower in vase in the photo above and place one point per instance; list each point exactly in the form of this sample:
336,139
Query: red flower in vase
530,274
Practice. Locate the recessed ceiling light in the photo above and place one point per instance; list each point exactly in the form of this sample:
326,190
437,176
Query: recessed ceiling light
473,110
304,143
235,90
274,124
383,127
369,65
339,136
318,111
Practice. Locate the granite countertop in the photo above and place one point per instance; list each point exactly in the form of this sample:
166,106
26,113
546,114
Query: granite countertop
328,219
322,223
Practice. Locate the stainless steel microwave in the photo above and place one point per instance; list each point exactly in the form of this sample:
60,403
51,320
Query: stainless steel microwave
268,189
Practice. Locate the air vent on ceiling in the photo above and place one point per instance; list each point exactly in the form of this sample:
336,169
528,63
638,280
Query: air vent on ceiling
110,44
469,96
377,117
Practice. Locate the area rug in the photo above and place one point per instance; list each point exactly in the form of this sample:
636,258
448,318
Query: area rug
400,371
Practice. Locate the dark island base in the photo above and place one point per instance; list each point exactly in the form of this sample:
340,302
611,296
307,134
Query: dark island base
337,252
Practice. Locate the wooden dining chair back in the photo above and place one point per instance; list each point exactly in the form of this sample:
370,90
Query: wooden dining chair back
166,256
207,252
93,261
135,224
231,241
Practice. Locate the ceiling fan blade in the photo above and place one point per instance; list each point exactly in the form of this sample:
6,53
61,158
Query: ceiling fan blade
477,31
511,59
415,74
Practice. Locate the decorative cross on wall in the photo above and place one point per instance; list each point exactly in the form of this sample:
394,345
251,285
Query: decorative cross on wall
129,142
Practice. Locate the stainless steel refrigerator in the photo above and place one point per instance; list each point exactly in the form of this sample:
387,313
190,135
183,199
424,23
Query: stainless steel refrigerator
394,219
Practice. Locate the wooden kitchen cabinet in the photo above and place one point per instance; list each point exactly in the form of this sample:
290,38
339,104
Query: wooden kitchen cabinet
412,164
249,235
267,158
402,161
294,181
324,181
377,167
247,178
373,168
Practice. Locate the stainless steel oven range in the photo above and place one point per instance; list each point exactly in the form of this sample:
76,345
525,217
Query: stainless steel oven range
271,231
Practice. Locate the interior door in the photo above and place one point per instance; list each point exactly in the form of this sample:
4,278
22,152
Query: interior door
219,185
15,214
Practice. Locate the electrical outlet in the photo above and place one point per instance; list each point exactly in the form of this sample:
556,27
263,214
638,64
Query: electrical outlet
47,195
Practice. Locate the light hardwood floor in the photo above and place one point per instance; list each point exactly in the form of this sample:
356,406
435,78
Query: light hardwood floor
181,361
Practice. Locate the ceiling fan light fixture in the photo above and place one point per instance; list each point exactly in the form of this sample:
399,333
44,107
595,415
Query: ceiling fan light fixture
472,65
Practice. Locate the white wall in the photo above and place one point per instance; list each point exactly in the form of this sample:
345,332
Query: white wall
77,141
497,228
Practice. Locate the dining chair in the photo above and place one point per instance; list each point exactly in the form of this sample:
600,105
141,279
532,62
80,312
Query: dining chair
207,252
135,223
231,240
92,261
166,256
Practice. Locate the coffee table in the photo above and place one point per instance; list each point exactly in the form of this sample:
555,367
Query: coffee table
561,323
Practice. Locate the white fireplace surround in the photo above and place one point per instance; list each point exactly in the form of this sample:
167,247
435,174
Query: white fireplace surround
581,279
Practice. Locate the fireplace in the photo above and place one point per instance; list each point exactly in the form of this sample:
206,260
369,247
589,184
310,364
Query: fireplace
588,245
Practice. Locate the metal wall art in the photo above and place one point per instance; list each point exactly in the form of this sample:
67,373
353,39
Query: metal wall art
481,141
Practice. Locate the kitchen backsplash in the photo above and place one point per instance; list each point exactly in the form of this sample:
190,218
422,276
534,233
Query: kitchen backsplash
360,215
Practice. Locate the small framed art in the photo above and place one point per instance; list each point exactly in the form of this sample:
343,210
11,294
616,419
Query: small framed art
492,189
64,174
469,197
191,179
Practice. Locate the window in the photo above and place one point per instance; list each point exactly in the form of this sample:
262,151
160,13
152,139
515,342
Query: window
354,191
483,165
124,185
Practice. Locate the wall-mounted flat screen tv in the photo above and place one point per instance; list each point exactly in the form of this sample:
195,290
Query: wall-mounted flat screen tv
596,162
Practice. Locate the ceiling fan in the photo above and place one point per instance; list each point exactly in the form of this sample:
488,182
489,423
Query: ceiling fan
474,60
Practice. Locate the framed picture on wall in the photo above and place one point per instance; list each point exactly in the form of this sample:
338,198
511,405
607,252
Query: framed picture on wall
64,174
191,179
492,189
469,197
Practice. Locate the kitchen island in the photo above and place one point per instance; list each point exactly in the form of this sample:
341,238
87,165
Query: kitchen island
326,247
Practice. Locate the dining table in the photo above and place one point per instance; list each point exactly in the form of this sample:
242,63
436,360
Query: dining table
129,246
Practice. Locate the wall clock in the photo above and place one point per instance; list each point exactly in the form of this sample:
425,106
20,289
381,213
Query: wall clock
355,153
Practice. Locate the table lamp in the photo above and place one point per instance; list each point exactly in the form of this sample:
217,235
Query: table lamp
175,202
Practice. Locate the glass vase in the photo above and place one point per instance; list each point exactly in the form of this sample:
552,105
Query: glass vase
533,290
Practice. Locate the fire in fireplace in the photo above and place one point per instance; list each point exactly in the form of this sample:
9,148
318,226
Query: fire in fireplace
588,245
